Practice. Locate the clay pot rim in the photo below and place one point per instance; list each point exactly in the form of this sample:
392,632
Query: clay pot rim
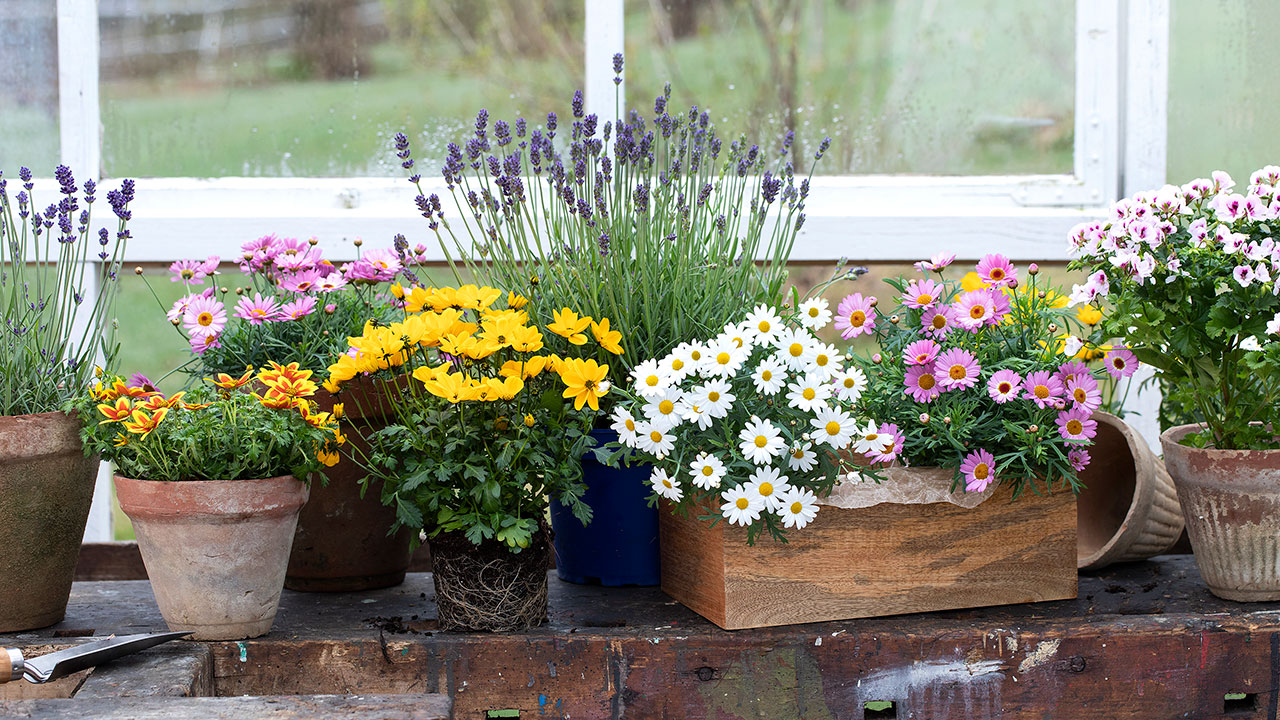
168,496
1169,440
198,483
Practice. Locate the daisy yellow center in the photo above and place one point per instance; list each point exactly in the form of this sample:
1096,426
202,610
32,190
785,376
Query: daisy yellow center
1004,388
631,424
722,358
651,381
763,326
871,437
982,471
738,342
857,318
888,447
205,319
939,321
742,503
799,454
822,360
922,358
708,471
977,311
849,383
695,355
924,299
813,312
796,349
655,436
997,274
766,375
188,274
1080,395
809,394
761,441
766,489
713,396
1075,427
796,508
666,406
667,483
677,364
1041,391
957,372
833,428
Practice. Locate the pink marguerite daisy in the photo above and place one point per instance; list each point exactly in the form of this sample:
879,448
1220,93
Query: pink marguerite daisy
921,294
1121,362
204,315
301,282
1044,389
188,272
920,352
1072,369
975,309
331,283
979,470
201,343
1084,392
888,444
956,369
922,386
258,310
1004,386
855,316
299,308
299,262
937,263
1077,425
1079,459
995,269
938,321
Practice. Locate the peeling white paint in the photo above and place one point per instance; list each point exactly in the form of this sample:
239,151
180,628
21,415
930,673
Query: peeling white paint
818,641
973,688
1011,644
1043,653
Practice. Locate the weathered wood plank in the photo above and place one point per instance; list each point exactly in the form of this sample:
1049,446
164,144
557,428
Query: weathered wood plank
395,707
110,561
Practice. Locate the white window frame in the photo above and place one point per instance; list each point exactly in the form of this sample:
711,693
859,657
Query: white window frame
1121,81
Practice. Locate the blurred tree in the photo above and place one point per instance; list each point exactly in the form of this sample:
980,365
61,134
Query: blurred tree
328,41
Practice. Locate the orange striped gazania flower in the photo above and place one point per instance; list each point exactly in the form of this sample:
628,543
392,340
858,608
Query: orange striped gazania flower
122,409
226,382
139,423
277,400
292,371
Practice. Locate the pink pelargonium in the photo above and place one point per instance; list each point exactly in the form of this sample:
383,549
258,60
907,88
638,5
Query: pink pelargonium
921,385
995,269
1072,369
201,343
888,445
920,352
205,315
1077,425
258,310
1079,459
258,254
921,294
375,267
330,283
979,470
855,316
299,308
956,369
300,261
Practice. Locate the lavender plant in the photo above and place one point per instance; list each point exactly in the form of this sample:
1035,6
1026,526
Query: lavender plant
651,220
51,338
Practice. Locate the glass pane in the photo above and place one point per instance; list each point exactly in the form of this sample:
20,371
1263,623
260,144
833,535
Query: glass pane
1223,85
29,93
901,86
318,88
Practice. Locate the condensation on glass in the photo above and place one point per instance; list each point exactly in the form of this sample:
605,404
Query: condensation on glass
29,92
206,88
1224,81
957,87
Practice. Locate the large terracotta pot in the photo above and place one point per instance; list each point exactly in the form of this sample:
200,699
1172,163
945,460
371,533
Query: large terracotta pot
46,486
1129,508
342,542
488,588
1231,502
215,550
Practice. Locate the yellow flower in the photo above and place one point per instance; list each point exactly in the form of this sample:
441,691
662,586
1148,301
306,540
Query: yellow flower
277,372
139,423
608,339
427,374
501,424
339,409
528,420
453,387
397,291
476,298
505,389
529,367
500,329
121,440
226,382
515,301
156,402
296,388
277,400
116,413
569,325
526,339
971,282
1089,315
328,456
583,382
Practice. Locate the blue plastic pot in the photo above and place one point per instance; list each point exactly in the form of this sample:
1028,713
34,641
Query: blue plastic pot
620,546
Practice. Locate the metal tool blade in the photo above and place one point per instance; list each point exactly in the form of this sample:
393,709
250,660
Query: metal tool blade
64,662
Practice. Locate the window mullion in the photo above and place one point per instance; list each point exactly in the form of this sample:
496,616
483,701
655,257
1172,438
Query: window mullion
78,109
603,34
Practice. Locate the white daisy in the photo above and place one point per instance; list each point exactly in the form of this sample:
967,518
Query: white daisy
714,397
763,323
665,409
814,314
654,439
625,426
794,348
867,438
827,361
676,366
767,484
695,414
649,379
707,471
850,384
833,427
665,485
694,355
797,507
808,393
739,336
760,441
801,457
769,376
739,508
724,358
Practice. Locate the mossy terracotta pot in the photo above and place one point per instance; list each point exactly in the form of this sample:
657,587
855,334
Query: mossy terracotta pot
342,543
1231,502
1129,508
46,486
216,551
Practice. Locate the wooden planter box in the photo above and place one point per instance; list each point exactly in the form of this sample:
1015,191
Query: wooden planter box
887,559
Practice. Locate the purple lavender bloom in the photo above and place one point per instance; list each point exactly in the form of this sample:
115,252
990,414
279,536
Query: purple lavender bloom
495,166
24,174
90,187
502,133
551,125
822,148
660,103
521,127
482,121
589,124
617,67
603,243
512,165
66,183
577,103
769,186
641,198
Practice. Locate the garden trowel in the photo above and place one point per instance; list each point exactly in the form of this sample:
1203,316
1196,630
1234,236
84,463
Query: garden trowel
64,662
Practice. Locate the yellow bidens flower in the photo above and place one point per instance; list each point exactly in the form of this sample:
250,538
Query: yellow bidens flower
569,326
1089,315
608,339
971,282
584,382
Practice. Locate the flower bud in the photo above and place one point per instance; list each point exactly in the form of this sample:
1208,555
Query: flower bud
357,242
893,319
924,418
330,309
1033,269
137,270
239,291
876,358
313,241
1013,284
874,301
225,289
1053,327
1033,428
1042,295
946,420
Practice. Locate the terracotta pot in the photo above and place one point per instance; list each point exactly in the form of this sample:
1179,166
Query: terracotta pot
46,486
488,588
1231,502
215,551
1129,508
